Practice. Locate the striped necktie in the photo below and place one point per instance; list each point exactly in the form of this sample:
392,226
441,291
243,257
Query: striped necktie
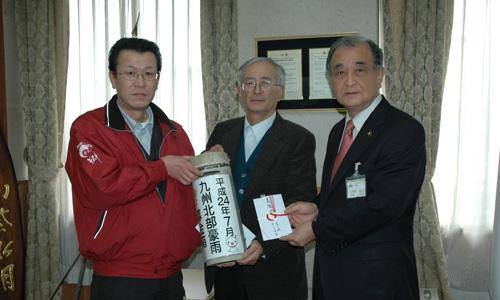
346,144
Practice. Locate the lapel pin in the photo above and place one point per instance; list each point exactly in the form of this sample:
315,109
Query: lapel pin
369,133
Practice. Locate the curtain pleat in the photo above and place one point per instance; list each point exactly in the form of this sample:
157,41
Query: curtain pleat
416,45
42,44
219,56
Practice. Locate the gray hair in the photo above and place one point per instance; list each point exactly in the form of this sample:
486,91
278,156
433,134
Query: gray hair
279,69
352,41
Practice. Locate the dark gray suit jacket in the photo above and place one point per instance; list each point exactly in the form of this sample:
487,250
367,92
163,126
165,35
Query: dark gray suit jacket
364,245
286,166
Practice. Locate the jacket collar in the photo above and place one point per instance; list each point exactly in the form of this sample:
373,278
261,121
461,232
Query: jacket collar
368,133
113,117
272,146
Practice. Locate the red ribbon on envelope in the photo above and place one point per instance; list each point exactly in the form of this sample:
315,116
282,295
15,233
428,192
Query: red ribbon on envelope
273,215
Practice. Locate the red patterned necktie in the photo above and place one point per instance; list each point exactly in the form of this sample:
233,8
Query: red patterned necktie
346,144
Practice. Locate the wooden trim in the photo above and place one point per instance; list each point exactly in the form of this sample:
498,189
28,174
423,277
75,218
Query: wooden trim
3,100
22,188
69,290
12,241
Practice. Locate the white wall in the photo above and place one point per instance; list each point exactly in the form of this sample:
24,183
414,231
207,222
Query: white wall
270,18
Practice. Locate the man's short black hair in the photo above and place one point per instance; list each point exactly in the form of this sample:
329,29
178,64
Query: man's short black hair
134,44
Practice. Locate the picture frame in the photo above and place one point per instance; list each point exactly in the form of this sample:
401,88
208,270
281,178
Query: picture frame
304,59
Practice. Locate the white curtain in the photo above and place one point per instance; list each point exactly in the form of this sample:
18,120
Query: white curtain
467,164
95,25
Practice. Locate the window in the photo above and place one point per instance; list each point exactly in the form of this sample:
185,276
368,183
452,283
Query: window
469,144
95,25
174,25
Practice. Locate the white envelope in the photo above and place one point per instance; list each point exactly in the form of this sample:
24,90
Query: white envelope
272,221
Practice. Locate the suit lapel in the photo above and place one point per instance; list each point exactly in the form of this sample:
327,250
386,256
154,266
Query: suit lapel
271,148
231,141
369,132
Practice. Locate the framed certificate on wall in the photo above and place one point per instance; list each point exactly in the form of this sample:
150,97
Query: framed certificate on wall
304,60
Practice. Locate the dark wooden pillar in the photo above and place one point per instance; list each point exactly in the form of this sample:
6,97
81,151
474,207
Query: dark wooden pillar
12,250
3,100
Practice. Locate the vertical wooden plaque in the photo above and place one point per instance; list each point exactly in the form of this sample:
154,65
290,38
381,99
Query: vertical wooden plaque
12,249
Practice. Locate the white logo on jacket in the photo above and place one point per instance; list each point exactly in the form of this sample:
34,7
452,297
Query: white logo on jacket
87,151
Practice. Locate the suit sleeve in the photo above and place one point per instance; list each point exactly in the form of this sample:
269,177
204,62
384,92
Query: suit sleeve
393,182
215,138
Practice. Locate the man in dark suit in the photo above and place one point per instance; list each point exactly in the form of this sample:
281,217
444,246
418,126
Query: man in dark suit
269,155
362,220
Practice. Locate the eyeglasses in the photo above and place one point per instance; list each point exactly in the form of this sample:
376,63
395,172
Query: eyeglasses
264,85
133,75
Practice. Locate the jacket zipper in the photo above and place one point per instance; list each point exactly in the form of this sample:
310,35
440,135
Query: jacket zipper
164,204
146,159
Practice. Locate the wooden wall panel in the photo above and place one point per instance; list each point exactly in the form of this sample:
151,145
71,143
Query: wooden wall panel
12,241
3,100
22,188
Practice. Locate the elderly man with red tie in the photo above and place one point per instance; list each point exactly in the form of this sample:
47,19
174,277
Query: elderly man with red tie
362,220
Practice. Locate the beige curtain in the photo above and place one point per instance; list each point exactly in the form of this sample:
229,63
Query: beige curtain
416,44
219,59
42,45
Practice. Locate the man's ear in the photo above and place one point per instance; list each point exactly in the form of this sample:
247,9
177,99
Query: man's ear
282,91
237,89
157,82
112,78
380,74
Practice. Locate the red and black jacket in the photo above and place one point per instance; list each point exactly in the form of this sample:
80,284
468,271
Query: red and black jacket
123,224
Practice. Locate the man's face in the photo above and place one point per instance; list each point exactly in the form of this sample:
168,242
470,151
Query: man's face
134,93
354,77
260,102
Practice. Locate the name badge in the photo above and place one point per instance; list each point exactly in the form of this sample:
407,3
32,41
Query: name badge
356,184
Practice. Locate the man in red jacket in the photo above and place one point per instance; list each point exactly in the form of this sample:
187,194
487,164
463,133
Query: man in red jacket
132,196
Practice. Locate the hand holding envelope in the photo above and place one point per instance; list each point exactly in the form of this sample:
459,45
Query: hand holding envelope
301,235
301,212
275,224
301,215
